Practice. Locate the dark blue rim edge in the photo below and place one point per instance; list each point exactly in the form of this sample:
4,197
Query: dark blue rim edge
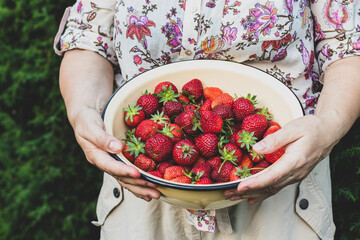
190,187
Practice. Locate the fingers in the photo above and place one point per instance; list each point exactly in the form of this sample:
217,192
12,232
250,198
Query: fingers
146,193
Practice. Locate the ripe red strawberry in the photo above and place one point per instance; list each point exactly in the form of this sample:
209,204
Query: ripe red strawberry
211,122
185,152
224,111
163,166
232,153
202,170
173,131
189,107
207,144
160,118
239,173
146,129
271,130
273,123
243,107
214,162
156,173
222,173
184,100
188,122
194,88
167,85
133,115
212,92
274,156
173,172
200,160
223,99
133,148
206,106
259,167
159,147
182,179
149,103
255,157
144,163
246,162
234,176
204,180
256,123
172,108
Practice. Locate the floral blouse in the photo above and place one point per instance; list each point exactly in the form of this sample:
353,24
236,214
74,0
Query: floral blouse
293,40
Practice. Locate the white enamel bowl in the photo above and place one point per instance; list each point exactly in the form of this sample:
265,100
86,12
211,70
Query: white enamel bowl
231,78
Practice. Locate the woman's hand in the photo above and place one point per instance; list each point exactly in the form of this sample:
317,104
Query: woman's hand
97,144
307,141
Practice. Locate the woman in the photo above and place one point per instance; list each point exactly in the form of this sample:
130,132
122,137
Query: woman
308,45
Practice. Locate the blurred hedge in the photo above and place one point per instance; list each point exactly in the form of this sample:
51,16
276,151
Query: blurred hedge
47,189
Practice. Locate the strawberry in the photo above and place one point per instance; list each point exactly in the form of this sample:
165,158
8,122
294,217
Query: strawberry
182,179
146,129
144,163
184,100
204,180
212,92
222,173
188,122
211,122
193,88
271,130
173,172
185,152
274,156
172,108
223,99
160,118
159,147
255,157
256,123
133,148
245,140
243,107
162,167
200,160
246,162
167,94
133,115
206,106
156,173
224,111
239,173
214,162
259,167
173,131
189,107
149,103
204,169
163,86
231,153
207,144
273,123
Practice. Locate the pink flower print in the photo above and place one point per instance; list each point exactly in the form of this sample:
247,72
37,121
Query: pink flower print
211,4
336,13
79,7
262,18
326,52
229,34
289,6
137,60
139,27
356,45
199,224
305,54
212,45
174,34
99,38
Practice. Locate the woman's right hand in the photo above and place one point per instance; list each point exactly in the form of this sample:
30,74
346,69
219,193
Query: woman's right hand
97,144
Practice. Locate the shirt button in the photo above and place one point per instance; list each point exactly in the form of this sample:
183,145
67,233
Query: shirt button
304,204
116,192
188,52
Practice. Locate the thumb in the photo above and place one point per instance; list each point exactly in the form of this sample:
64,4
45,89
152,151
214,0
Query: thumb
274,141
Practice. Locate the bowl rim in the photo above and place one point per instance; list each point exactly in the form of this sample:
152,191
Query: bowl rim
192,187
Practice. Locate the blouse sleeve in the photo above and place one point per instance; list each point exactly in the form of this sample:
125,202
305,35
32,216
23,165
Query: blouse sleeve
337,30
90,26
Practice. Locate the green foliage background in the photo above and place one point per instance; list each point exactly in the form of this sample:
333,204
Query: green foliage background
47,188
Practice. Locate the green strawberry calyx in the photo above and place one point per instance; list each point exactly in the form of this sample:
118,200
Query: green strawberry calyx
131,111
136,146
247,139
167,94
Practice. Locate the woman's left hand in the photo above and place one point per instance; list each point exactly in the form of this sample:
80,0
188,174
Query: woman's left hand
307,140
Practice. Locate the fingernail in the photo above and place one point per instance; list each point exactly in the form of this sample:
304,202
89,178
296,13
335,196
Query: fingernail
115,146
260,146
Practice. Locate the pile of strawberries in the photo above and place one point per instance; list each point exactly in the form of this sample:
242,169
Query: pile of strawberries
197,136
